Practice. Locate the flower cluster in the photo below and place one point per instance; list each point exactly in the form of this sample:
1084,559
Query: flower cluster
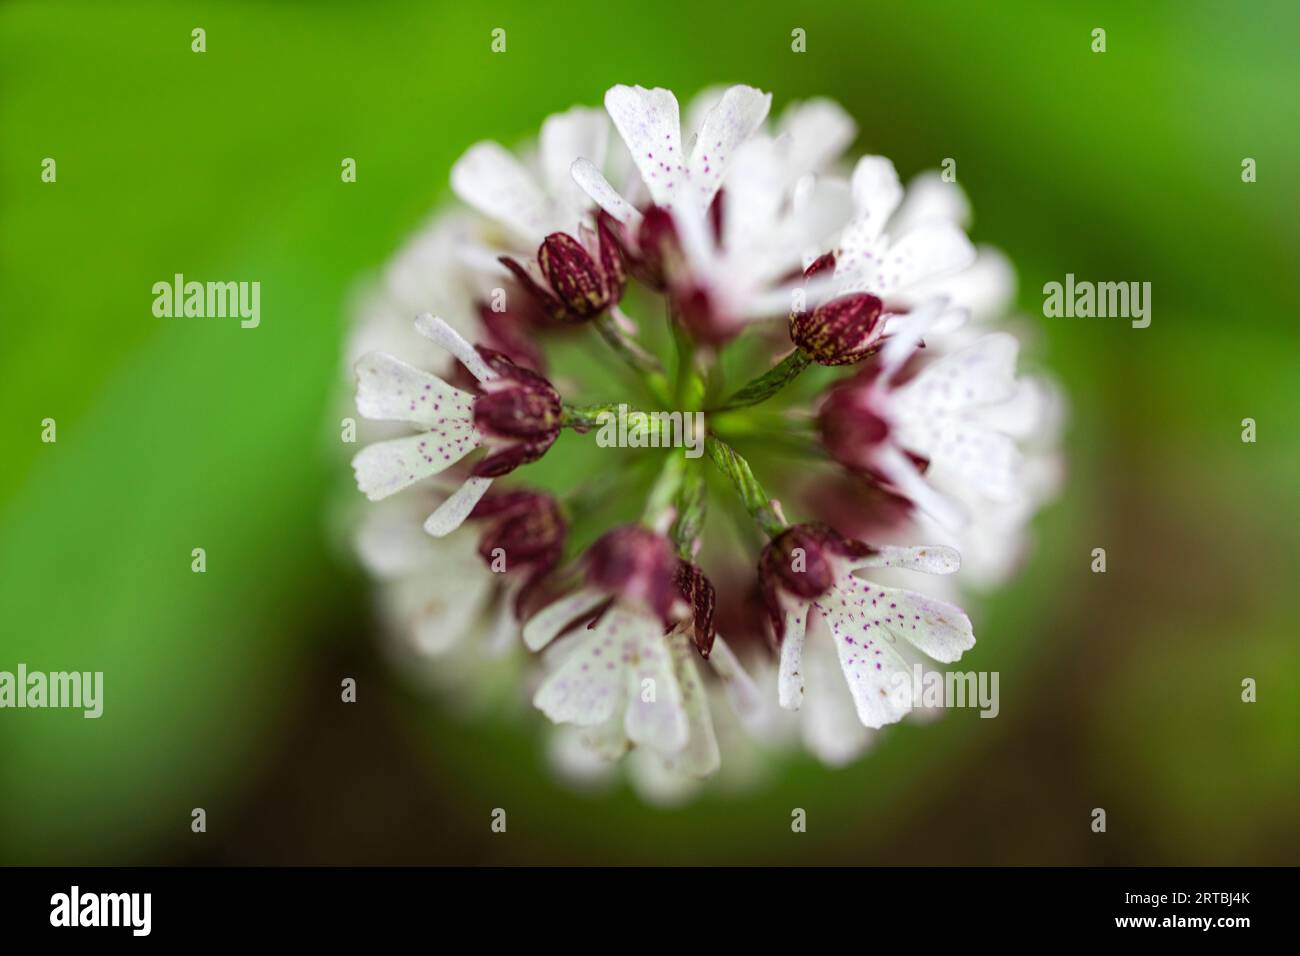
885,403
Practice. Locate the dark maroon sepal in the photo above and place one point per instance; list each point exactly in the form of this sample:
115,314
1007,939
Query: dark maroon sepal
698,592
839,332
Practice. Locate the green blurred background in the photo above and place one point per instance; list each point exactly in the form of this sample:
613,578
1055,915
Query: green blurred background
1119,691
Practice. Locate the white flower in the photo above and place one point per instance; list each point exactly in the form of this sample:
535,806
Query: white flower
534,199
892,255
776,209
437,593
389,389
869,625
625,682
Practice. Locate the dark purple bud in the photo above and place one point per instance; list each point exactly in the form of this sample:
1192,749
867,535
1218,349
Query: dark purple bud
507,459
851,429
578,282
550,306
518,403
657,246
637,565
696,313
528,527
518,411
611,256
839,332
698,592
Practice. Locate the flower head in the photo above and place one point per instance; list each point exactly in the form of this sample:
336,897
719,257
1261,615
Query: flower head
731,219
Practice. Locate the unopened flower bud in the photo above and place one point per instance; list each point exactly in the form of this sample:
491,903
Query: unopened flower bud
519,412
851,427
638,566
839,332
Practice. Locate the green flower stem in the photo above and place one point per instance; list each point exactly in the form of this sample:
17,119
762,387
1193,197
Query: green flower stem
769,383
635,421
638,359
585,417
665,489
755,499
692,503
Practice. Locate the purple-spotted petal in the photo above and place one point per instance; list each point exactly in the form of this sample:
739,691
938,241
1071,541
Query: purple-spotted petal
490,178
650,124
390,390
387,467
789,684
655,717
735,118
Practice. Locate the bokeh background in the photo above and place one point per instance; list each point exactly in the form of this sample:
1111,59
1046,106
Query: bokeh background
1119,690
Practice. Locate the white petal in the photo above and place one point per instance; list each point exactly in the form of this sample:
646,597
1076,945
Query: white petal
755,193
389,541
387,467
742,692
589,686
878,676
936,628
590,180
650,124
656,783
830,727
901,472
451,514
505,628
876,194
982,373
700,756
789,683
932,559
929,197
735,118
490,178
987,287
578,132
440,604
544,626
931,250
439,331
655,716
390,390
819,130
906,333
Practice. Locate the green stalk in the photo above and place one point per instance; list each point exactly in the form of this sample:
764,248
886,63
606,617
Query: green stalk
756,501
769,383
692,503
